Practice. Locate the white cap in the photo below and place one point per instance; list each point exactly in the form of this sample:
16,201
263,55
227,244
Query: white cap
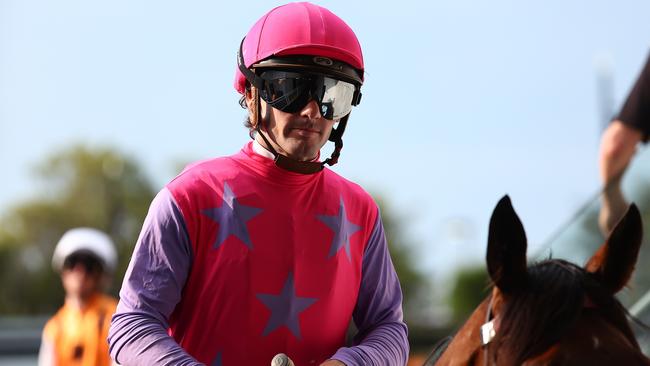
85,239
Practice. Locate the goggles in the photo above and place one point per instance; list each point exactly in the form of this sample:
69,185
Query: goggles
88,261
290,92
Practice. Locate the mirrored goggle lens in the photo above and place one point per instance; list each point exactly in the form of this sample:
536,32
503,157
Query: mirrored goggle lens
290,92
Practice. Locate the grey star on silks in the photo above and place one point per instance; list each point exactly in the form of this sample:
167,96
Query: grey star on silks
217,360
343,230
285,308
232,217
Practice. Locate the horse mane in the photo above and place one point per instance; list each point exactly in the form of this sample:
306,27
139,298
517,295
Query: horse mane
556,295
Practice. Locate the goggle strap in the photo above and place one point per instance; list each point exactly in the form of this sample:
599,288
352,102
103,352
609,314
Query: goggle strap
252,78
357,98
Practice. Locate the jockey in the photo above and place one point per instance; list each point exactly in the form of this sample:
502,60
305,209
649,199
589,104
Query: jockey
268,251
76,334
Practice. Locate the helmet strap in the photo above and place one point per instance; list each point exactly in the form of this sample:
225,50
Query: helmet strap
287,163
336,136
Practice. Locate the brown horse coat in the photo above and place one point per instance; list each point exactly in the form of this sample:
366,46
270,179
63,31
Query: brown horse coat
553,312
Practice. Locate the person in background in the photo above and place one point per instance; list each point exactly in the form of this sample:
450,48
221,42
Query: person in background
618,146
76,334
268,251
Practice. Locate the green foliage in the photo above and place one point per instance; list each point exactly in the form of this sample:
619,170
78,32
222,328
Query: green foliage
98,188
469,289
104,189
414,285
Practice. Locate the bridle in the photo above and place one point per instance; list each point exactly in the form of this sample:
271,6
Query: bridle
488,331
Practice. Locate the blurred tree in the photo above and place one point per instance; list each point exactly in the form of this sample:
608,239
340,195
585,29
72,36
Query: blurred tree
104,189
100,188
469,288
415,287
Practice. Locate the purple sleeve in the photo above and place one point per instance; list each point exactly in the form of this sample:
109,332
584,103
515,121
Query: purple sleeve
151,289
382,337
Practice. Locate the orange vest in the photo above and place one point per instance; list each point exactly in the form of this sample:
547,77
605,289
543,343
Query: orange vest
79,336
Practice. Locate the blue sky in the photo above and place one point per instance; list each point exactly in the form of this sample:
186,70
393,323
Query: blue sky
464,101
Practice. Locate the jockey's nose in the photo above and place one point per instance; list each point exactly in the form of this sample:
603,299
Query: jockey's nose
311,110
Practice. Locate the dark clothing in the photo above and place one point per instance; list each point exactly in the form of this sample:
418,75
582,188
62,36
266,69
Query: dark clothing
636,110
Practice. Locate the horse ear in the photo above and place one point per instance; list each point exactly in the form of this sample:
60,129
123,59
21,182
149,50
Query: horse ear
614,262
506,252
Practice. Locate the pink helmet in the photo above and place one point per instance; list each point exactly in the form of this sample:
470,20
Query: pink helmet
299,29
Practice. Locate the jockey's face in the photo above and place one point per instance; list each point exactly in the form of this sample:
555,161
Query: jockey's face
299,135
80,280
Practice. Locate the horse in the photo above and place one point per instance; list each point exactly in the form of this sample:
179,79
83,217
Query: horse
553,312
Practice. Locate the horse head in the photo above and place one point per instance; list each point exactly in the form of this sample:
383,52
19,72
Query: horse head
552,312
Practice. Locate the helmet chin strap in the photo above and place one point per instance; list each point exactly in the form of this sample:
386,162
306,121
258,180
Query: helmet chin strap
293,165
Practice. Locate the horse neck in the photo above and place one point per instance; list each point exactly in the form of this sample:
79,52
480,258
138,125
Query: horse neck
465,347
594,341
